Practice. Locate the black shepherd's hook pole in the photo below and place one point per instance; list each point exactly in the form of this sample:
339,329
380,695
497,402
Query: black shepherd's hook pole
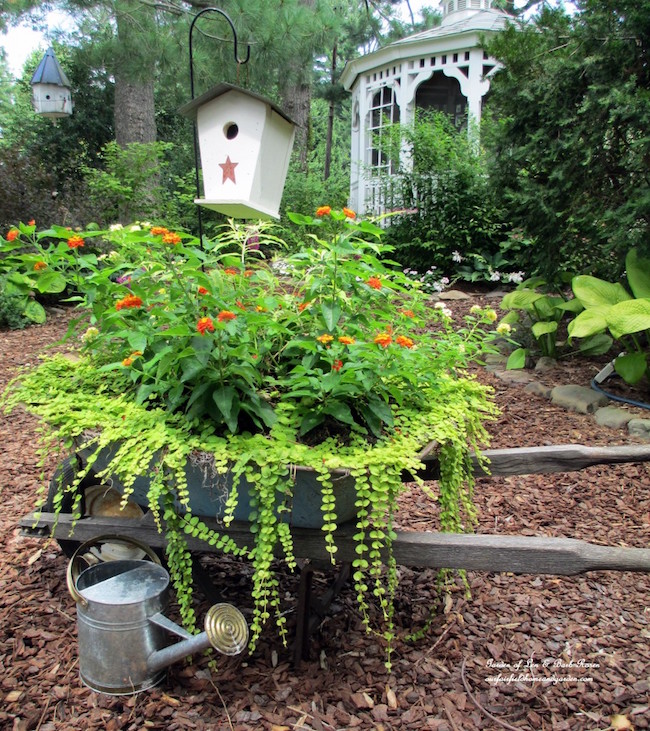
239,62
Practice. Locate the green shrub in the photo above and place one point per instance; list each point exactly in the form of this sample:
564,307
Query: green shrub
444,191
12,314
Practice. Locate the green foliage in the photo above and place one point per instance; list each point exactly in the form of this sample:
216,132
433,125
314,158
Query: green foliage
542,313
26,276
446,199
123,183
609,307
12,309
568,155
210,351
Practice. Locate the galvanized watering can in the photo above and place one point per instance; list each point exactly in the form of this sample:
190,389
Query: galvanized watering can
122,631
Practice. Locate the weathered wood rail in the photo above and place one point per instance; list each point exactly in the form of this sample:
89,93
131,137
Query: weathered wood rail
516,554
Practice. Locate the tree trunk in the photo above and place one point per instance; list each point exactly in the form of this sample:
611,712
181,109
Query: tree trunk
134,112
330,121
134,115
296,100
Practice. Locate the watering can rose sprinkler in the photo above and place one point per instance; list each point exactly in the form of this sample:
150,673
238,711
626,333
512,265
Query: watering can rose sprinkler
122,629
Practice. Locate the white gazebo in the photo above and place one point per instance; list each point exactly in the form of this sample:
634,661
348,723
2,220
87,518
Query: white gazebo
442,68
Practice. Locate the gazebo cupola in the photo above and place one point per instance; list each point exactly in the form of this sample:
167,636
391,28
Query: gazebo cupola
441,68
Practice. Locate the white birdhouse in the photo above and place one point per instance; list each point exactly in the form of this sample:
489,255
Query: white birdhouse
51,89
245,143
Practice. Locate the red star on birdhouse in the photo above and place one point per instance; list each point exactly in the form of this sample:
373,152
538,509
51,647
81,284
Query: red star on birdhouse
228,168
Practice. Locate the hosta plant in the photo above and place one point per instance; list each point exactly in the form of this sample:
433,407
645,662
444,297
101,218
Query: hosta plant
530,306
329,358
614,314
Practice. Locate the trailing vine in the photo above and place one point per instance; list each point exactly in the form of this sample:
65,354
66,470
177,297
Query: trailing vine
85,409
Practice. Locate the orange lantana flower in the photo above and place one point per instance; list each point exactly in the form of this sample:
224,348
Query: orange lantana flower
337,365
346,340
325,338
75,242
12,235
31,222
203,290
129,361
171,238
232,271
226,315
349,213
374,282
408,313
404,341
130,301
204,325
383,339
324,211
303,306
158,230
39,266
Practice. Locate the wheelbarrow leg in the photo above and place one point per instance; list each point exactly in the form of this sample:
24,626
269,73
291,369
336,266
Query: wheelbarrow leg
311,611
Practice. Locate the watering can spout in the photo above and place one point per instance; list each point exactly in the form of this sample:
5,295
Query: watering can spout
225,630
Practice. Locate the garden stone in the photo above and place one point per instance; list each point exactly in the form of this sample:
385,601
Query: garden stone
612,417
639,428
454,294
496,294
513,378
545,363
495,359
538,389
578,398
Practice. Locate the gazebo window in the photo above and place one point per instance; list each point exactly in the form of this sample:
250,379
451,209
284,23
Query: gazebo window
384,112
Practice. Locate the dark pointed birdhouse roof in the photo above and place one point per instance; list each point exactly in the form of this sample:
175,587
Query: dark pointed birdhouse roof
49,71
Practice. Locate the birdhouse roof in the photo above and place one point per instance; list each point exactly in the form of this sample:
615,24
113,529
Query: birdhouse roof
49,71
190,109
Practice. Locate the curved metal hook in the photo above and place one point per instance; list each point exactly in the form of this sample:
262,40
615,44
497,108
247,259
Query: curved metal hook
238,61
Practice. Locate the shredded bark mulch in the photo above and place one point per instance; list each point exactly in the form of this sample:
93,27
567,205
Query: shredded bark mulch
522,652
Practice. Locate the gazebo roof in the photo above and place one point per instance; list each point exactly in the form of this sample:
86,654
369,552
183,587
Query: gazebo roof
450,33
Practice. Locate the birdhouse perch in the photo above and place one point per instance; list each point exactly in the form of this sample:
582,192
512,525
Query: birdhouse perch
245,143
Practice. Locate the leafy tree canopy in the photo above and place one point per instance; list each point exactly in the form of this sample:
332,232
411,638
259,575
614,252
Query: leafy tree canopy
570,146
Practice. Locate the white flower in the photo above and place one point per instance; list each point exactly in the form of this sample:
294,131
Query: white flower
115,227
475,309
495,276
443,309
504,328
91,332
516,277
113,255
456,256
135,227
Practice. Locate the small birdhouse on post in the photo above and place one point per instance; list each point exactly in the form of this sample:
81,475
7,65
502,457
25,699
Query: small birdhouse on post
51,95
245,143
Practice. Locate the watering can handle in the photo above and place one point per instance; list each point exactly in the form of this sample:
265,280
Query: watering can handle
73,571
